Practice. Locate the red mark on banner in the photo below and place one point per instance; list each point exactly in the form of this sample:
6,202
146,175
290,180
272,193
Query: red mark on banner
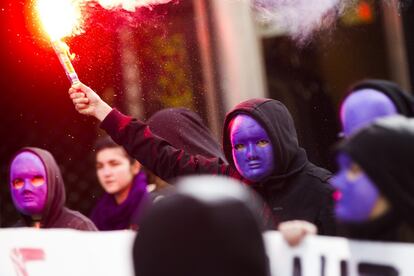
21,256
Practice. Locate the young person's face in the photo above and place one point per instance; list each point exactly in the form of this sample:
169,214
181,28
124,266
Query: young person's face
251,148
28,184
114,169
356,194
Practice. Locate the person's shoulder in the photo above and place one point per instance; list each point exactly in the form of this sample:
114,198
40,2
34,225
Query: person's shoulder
100,204
317,179
76,220
319,173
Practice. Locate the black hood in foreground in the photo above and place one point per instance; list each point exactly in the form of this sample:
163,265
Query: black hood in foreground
402,100
209,227
277,121
385,151
56,195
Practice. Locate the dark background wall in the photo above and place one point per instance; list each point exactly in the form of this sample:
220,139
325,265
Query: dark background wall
34,105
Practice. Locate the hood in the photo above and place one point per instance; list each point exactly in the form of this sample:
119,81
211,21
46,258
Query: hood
385,151
184,129
277,121
56,195
211,231
402,100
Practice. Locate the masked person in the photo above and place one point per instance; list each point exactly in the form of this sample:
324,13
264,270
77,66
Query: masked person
38,192
375,188
375,182
125,185
260,143
210,226
372,99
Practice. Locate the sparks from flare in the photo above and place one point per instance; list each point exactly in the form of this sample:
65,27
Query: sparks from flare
63,18
60,19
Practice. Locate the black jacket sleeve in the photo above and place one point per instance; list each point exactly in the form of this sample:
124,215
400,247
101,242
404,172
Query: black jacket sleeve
155,153
326,222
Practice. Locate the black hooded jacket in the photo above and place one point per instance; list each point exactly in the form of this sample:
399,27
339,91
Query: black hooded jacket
185,130
385,152
297,190
55,214
403,101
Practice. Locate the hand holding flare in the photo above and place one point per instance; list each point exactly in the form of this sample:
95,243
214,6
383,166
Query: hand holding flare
87,102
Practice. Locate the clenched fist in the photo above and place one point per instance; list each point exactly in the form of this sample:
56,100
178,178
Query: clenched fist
87,102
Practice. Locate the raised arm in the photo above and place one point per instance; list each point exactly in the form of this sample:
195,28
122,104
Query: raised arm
135,136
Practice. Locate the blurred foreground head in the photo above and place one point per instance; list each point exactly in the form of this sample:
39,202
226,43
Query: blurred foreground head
211,226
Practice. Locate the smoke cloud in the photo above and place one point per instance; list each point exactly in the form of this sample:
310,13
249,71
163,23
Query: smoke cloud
299,18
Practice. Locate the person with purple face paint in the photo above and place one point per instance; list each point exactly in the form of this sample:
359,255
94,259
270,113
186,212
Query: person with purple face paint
38,192
372,99
28,184
252,149
375,188
356,194
259,141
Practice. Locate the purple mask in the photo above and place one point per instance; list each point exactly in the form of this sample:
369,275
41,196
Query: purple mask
355,198
28,183
251,148
364,106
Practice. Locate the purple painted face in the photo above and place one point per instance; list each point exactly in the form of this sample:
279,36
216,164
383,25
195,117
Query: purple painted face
28,183
356,194
251,148
362,107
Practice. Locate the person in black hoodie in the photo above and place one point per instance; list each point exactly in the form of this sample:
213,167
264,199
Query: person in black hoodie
209,227
38,192
371,99
278,170
375,188
375,182
183,129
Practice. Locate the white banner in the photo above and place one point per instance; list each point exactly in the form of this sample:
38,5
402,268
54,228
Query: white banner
320,256
31,252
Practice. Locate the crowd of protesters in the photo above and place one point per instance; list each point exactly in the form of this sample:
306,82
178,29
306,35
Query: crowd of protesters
172,182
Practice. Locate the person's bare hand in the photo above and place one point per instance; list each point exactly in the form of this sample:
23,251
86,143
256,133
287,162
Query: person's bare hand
295,231
87,102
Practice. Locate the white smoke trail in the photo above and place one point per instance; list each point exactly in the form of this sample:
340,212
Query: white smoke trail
129,5
299,18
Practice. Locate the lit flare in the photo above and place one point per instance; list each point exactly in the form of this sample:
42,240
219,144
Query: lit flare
61,18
